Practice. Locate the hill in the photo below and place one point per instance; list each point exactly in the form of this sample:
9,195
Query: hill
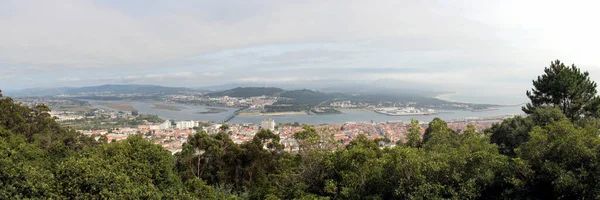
245,92
112,89
308,97
124,89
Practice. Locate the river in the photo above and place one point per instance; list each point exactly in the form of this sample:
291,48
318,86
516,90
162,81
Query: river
187,112
190,112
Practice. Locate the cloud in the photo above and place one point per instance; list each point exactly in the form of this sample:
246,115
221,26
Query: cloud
84,33
460,45
68,79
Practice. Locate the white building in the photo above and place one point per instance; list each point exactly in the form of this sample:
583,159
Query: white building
184,124
165,125
268,124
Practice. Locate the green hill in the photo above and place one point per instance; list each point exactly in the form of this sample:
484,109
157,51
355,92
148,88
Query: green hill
246,92
308,97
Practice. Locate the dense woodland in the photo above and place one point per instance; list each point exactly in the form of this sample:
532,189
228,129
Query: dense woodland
552,153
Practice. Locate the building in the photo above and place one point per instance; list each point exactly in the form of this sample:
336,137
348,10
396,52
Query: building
184,124
165,125
268,124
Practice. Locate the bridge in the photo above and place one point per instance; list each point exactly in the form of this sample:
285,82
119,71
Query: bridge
230,117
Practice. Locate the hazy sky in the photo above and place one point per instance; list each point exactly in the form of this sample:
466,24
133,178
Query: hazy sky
482,47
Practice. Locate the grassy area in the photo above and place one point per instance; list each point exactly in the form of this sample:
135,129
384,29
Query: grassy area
105,122
71,108
166,107
213,111
123,107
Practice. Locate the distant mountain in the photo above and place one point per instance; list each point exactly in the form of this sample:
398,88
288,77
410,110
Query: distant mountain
37,92
123,89
248,92
114,89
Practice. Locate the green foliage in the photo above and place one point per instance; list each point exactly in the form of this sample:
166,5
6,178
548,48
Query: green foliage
287,108
199,189
25,169
509,134
306,97
246,92
551,154
133,168
566,88
413,137
565,160
106,122
308,138
438,135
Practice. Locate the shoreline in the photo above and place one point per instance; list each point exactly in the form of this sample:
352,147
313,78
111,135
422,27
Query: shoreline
270,114
120,107
166,107
212,111
446,97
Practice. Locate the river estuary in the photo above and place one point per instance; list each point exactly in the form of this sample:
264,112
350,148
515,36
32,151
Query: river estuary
191,112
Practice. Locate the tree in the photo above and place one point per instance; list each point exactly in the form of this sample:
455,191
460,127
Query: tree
566,88
308,139
224,127
510,133
563,162
132,168
438,133
25,169
413,137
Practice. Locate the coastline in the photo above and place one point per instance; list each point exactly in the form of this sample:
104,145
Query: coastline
447,97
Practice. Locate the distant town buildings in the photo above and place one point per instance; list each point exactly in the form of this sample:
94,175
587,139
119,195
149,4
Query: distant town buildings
185,124
268,124
165,125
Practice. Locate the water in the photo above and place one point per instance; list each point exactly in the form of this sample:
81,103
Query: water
187,112
367,116
190,112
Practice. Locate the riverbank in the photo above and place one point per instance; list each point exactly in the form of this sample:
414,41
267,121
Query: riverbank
212,111
245,114
122,107
166,107
494,101
354,109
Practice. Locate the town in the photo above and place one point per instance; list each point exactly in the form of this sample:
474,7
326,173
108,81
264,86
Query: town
115,124
172,134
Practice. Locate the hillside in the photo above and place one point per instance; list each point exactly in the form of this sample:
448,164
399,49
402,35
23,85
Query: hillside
308,97
112,89
245,92
124,89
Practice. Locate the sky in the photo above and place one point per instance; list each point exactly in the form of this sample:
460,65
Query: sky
481,48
